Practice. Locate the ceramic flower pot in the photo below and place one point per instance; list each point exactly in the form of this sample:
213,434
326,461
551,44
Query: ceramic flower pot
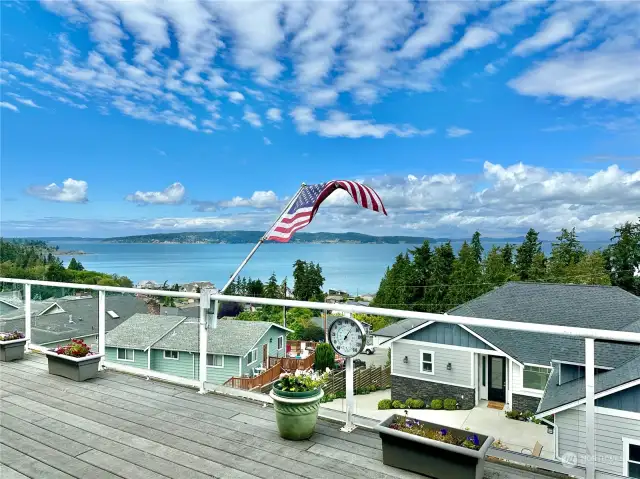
12,350
76,369
296,412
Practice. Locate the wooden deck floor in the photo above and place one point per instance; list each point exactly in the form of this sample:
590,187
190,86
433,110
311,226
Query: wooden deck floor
124,426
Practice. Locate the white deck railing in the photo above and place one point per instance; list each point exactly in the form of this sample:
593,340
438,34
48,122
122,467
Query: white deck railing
208,321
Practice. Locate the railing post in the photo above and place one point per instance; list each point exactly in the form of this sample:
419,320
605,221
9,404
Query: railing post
349,426
590,413
102,306
27,315
205,304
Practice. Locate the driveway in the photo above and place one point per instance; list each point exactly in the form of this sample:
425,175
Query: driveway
378,358
516,435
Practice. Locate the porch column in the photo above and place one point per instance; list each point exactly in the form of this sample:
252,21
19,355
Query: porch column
27,315
590,415
205,304
102,306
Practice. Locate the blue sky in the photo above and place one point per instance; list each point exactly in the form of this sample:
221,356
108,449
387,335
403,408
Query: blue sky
131,117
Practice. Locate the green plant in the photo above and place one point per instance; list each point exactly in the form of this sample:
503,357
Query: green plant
384,404
341,395
328,398
11,336
364,390
450,404
76,348
397,404
498,444
302,381
415,427
436,404
325,357
418,404
513,414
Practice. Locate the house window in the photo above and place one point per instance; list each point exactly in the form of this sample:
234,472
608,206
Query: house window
426,362
171,354
252,357
215,360
280,342
631,452
535,377
125,354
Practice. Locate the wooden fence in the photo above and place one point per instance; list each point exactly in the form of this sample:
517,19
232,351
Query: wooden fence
378,375
291,364
266,377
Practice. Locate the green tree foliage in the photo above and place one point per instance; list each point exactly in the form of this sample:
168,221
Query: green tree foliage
272,289
308,281
376,322
466,277
507,254
395,289
75,265
476,246
497,267
526,253
566,252
325,357
623,257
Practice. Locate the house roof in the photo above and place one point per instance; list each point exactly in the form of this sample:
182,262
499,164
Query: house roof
587,306
568,393
399,327
180,333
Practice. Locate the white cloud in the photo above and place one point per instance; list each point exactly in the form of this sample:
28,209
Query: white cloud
236,97
171,195
252,117
266,140
28,102
339,124
8,106
456,132
490,69
72,191
274,114
259,199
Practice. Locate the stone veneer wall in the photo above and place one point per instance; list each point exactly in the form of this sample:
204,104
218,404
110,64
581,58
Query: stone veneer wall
524,403
403,388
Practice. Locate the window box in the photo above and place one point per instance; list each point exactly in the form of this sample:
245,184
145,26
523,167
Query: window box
12,350
76,369
429,457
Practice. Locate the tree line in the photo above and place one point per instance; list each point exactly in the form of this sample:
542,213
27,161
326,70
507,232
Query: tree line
29,259
436,279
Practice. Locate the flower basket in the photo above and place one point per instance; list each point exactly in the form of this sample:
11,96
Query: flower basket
74,361
12,346
297,410
430,457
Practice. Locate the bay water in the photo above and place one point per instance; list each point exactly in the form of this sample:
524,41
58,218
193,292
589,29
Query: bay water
356,268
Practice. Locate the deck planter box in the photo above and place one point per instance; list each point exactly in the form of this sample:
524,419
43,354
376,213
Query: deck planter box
76,369
12,350
429,457
296,412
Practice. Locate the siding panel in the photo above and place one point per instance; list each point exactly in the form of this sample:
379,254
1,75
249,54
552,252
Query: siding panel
182,367
461,362
221,375
451,334
627,400
609,433
139,356
271,339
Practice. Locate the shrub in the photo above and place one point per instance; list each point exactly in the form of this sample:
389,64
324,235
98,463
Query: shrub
409,403
384,404
513,414
364,390
328,398
436,404
450,404
325,357
418,404
341,395
397,404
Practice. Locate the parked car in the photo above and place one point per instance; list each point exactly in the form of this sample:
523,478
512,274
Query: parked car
369,349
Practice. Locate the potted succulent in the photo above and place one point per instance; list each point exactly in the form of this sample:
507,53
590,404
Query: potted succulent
73,361
431,449
296,400
12,346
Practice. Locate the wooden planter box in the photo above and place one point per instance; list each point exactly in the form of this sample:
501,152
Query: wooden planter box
429,457
12,350
76,369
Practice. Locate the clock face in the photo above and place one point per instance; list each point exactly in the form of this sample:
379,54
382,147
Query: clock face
347,336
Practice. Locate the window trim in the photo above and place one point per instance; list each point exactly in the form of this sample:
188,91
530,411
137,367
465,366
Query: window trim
626,442
433,362
280,338
133,354
213,365
164,354
254,354
549,370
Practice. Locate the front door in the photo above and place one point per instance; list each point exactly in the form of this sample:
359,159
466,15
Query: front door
497,379
265,356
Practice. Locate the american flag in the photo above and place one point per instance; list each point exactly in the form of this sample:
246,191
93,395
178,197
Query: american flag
306,206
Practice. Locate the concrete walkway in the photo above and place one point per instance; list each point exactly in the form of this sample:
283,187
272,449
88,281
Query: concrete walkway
516,435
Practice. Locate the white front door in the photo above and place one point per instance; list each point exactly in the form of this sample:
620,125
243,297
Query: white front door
483,375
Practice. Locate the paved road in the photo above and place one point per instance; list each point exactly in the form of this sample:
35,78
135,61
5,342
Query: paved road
378,358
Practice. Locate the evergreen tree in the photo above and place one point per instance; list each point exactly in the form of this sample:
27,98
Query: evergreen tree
75,265
308,281
566,252
507,254
466,279
272,289
57,272
441,271
526,253
420,276
395,291
623,257
497,270
476,246
591,269
538,269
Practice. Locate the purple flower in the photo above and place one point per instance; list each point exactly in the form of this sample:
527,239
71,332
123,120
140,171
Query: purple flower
443,431
474,439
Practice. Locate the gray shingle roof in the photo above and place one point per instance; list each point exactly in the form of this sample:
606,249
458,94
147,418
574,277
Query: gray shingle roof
231,337
556,396
399,327
598,307
141,330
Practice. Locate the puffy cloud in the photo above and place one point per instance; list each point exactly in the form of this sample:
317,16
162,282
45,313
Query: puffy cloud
236,97
456,132
258,200
274,114
252,117
71,191
171,195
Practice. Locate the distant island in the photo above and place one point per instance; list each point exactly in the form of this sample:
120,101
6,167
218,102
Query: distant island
239,237
73,252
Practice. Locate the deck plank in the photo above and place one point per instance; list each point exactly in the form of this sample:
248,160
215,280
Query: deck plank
119,466
7,473
28,466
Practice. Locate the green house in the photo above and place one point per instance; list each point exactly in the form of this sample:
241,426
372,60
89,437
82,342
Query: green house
170,345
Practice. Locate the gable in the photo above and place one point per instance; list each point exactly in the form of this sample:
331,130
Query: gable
450,334
626,400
